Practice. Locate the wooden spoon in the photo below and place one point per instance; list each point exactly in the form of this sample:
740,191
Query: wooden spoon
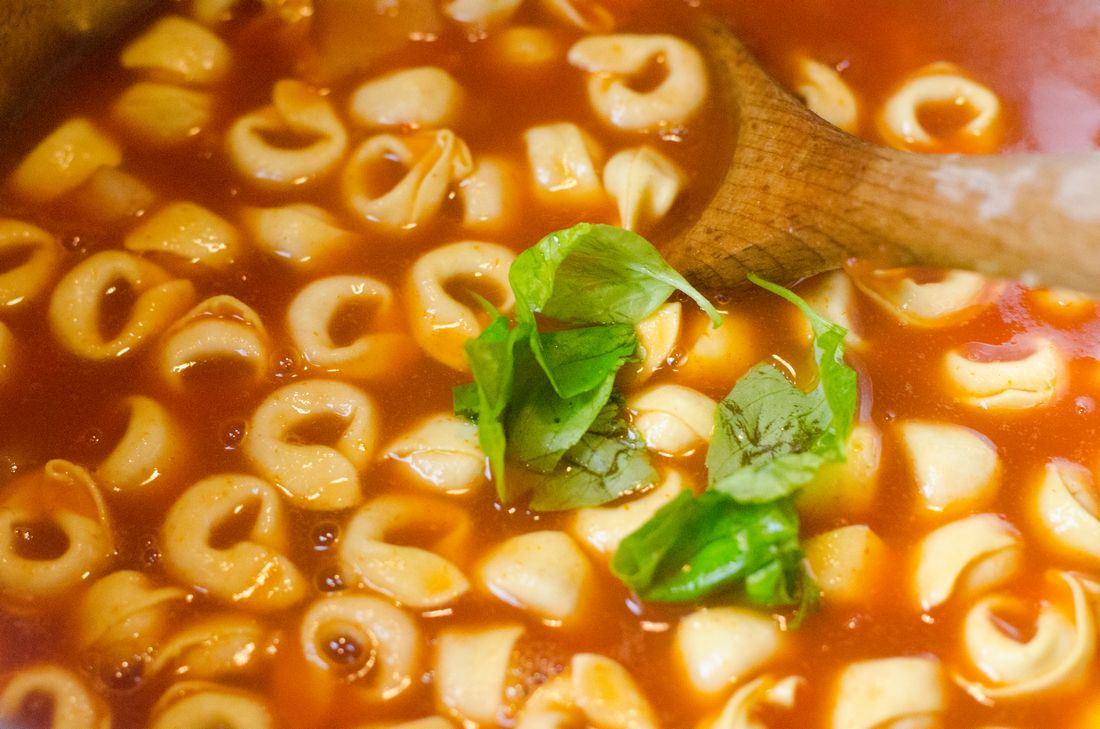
801,197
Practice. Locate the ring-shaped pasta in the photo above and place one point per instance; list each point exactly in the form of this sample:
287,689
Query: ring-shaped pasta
742,710
380,351
603,528
543,572
589,15
440,323
1055,658
363,641
179,50
226,535
296,110
433,162
594,691
890,692
966,557
313,475
564,161
111,198
77,305
826,93
644,183
846,489
163,115
443,454
477,695
481,15
612,60
419,578
912,297
62,509
1031,381
304,236
847,563
202,704
942,86
149,450
187,233
124,614
73,704
226,644
222,329
63,161
673,419
1066,507
37,252
490,194
955,469
410,98
718,647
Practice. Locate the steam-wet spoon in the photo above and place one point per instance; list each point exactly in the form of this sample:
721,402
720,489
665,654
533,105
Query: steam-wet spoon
800,197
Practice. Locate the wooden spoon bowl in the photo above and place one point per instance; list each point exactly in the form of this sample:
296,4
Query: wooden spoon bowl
800,197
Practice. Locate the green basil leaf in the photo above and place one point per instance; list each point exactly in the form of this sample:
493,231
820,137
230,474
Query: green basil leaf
598,469
697,546
466,401
579,360
596,274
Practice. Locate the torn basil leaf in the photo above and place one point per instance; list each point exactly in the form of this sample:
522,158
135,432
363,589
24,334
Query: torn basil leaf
598,469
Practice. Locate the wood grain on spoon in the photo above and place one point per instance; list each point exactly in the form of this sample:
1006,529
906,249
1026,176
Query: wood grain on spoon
801,197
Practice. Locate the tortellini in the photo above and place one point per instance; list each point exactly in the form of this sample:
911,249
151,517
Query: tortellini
890,693
419,578
742,711
227,536
1036,379
714,359
912,297
847,489
302,235
475,695
544,572
481,14
955,468
57,534
847,563
590,15
1055,657
673,419
564,161
38,254
433,163
80,311
195,704
179,50
968,556
440,322
721,646
658,335
489,194
320,469
1066,507
411,98
225,644
72,703
442,453
611,61
222,330
63,161
379,350
149,450
644,183
163,115
603,528
594,691
188,233
827,94
526,48
304,115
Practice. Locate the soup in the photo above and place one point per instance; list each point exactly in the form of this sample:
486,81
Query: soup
249,254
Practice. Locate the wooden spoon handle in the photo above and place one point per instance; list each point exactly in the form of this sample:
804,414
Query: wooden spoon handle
801,197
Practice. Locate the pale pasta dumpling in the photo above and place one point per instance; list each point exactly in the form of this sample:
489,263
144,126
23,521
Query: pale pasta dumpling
826,93
222,330
955,469
314,475
673,419
847,489
227,536
941,85
223,645
564,161
124,614
302,235
433,163
657,335
364,642
489,195
201,704
410,98
890,693
474,695
73,704
39,253
543,572
1055,657
63,161
303,114
847,563
594,691
380,351
965,558
742,710
178,50
714,359
1062,303
590,15
441,453
418,577
526,47
481,15
111,197
951,298
612,61
80,298
833,296
440,322
187,233
1066,509
603,528
150,449
163,115
61,505
644,183
721,646
1033,380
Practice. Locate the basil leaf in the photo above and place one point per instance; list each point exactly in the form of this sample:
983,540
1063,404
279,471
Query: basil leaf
596,274
770,438
598,469
581,359
696,546
465,401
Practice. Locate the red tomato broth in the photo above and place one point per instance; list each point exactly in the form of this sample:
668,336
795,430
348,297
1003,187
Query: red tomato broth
64,408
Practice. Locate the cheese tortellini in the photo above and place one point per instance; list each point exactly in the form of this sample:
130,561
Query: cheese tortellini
187,233
441,453
411,98
179,50
564,161
1066,507
890,693
544,572
73,704
221,330
303,236
594,691
673,419
827,94
721,646
968,556
1035,379
194,704
63,161
644,183
39,252
475,695
955,468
